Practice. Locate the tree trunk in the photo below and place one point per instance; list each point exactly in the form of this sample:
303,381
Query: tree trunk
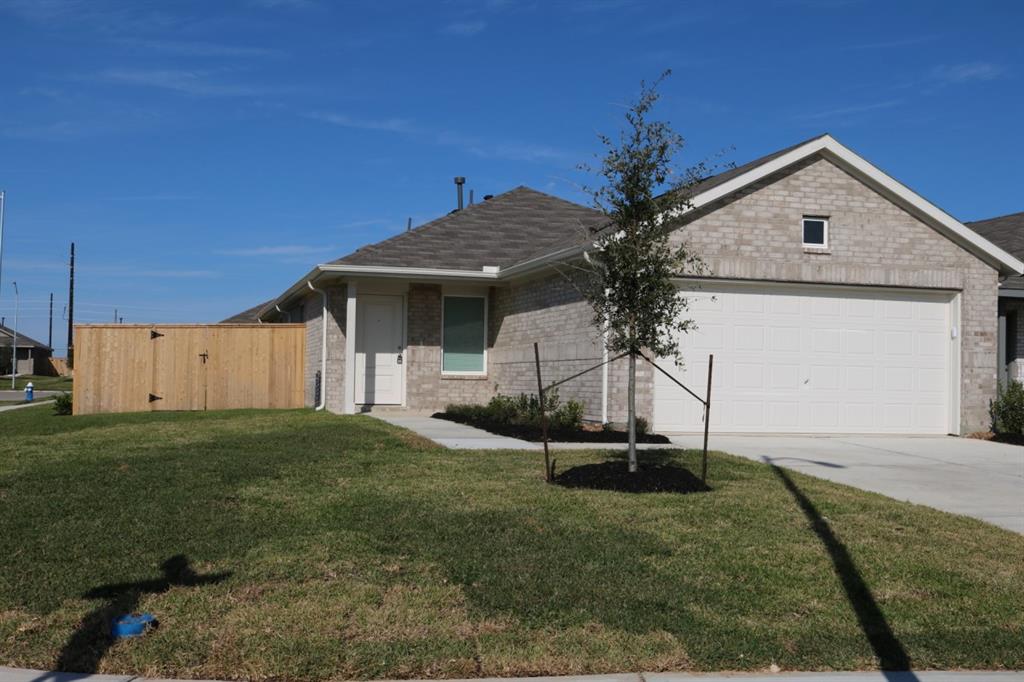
632,413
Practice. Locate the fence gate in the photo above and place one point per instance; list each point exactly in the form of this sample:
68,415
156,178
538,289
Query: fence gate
137,368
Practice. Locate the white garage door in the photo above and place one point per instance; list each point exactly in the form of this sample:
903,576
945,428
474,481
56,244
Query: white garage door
795,359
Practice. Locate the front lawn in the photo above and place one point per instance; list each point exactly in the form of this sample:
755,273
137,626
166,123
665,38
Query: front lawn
39,382
303,546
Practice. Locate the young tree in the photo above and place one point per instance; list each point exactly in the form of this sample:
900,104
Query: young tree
627,276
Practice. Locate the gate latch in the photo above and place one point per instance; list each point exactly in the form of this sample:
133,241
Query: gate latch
204,355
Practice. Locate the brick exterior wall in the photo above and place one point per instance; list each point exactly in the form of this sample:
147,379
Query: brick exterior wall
756,234
425,388
311,311
551,312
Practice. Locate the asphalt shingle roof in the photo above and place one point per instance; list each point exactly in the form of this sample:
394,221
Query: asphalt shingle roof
247,316
507,229
7,340
1006,232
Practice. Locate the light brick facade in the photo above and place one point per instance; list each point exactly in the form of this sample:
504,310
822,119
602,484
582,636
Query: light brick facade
311,312
549,311
425,388
754,234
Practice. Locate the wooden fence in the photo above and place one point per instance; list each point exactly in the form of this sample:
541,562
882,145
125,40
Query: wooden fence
59,367
144,368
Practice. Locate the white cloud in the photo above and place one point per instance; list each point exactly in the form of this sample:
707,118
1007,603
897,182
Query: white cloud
511,150
967,72
854,109
279,250
199,49
391,125
464,28
189,82
896,42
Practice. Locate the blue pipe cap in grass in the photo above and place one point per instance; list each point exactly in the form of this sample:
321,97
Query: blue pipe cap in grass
132,625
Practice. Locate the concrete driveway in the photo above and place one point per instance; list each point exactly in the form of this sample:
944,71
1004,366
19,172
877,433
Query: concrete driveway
960,475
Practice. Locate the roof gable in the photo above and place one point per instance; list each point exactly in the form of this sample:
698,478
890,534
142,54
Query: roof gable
828,147
7,339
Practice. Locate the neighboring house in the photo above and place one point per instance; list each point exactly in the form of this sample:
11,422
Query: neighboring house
839,301
1007,232
33,356
249,316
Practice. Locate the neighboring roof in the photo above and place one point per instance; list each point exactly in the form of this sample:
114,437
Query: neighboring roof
247,316
502,231
7,339
1007,232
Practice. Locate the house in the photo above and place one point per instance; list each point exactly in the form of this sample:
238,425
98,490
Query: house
33,356
839,301
1008,233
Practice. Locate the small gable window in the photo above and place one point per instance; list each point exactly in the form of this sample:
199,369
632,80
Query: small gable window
815,232
464,335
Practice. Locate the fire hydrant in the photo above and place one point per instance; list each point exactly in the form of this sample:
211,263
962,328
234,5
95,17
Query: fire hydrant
29,392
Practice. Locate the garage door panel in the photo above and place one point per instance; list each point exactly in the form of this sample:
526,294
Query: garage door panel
783,305
817,359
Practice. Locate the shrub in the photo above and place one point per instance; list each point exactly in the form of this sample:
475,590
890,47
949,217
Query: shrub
523,411
62,404
1008,408
641,427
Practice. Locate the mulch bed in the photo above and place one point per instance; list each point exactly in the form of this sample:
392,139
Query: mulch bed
649,478
532,433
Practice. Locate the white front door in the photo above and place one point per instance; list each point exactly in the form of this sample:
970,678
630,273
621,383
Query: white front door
814,359
380,337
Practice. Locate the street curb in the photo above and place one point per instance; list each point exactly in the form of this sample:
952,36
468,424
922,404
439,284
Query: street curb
28,675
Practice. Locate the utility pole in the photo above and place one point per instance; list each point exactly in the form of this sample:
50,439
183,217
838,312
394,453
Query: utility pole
49,338
3,205
71,311
14,350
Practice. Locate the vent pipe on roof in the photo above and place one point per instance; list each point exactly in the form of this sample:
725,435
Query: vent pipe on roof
459,182
408,224
470,197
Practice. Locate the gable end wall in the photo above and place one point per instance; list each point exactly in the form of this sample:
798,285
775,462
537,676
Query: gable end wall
756,234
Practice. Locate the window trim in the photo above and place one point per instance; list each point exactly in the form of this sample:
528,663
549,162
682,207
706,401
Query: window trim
803,227
470,373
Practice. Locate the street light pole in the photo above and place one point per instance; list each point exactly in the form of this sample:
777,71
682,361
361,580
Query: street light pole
14,351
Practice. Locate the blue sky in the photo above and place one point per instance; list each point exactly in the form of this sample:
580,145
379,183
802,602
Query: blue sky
204,155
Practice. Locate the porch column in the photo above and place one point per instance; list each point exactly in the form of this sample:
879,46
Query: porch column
1001,344
349,404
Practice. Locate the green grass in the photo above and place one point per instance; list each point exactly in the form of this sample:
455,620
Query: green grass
356,550
39,383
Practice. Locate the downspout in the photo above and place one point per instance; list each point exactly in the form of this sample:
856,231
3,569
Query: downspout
604,375
323,346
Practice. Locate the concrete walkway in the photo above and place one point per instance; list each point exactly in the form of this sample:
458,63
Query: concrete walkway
20,395
960,475
8,408
456,436
22,675
462,437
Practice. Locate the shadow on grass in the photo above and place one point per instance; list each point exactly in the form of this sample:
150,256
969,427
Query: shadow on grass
887,647
614,475
92,638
